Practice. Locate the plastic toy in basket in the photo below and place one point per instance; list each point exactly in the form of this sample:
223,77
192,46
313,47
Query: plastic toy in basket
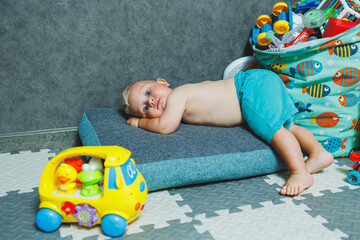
336,26
280,22
305,5
340,9
314,19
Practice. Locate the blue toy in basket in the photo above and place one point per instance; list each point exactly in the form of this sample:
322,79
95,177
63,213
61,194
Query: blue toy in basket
305,5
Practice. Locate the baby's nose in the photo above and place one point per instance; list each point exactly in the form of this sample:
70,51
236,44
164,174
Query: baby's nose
151,101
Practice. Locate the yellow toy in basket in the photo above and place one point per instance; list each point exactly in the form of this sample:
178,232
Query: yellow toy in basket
114,202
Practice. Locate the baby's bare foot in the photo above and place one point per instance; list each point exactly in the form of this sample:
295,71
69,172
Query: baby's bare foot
297,183
319,161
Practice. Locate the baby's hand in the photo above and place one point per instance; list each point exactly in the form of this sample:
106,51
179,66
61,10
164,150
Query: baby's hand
133,121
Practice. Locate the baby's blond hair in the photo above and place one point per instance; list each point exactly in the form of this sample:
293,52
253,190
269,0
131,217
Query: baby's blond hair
125,101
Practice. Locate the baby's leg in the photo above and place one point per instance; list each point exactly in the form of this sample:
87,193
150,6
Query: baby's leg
286,144
318,157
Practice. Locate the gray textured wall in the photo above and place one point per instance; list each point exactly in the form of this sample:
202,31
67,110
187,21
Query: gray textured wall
60,57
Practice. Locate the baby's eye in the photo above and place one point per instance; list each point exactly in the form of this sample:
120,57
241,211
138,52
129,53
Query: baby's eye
145,108
147,92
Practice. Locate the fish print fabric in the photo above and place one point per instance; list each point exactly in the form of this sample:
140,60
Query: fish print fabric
324,77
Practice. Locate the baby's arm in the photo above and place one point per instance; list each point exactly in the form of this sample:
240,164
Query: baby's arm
169,120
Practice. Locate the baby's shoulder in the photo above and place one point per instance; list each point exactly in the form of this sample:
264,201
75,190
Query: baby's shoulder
195,86
184,88
179,92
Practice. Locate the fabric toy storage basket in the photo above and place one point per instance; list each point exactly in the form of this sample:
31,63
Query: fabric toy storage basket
324,77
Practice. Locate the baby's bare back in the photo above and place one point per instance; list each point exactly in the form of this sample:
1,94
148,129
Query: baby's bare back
212,103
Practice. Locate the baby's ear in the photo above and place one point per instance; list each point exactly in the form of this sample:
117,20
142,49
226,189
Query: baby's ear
162,81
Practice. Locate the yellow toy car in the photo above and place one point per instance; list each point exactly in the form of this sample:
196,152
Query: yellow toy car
109,190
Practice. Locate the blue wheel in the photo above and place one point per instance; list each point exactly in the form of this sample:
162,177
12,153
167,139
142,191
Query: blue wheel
113,225
48,220
353,177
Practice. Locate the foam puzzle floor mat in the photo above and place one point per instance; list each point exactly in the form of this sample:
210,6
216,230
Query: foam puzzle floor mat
249,208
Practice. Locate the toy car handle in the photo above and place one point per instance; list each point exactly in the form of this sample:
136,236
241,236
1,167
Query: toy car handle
110,153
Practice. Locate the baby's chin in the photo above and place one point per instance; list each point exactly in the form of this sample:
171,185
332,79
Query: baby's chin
163,104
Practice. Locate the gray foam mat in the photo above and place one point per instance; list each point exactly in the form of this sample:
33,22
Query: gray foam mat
249,208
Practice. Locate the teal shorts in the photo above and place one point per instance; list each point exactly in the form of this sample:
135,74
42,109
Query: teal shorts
265,103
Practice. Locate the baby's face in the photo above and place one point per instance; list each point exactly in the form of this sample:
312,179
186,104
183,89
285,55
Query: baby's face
147,99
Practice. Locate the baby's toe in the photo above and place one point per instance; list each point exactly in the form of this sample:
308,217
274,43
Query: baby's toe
283,190
291,191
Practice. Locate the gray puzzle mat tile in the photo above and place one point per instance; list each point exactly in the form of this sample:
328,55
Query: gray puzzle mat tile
272,221
17,213
339,209
22,171
175,230
210,198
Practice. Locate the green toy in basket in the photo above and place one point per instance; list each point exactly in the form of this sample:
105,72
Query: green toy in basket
324,76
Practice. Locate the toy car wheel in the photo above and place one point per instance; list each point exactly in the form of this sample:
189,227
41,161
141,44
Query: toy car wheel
113,225
280,7
281,27
261,39
353,177
48,220
262,20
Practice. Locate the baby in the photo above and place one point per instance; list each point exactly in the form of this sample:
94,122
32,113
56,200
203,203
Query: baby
257,97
